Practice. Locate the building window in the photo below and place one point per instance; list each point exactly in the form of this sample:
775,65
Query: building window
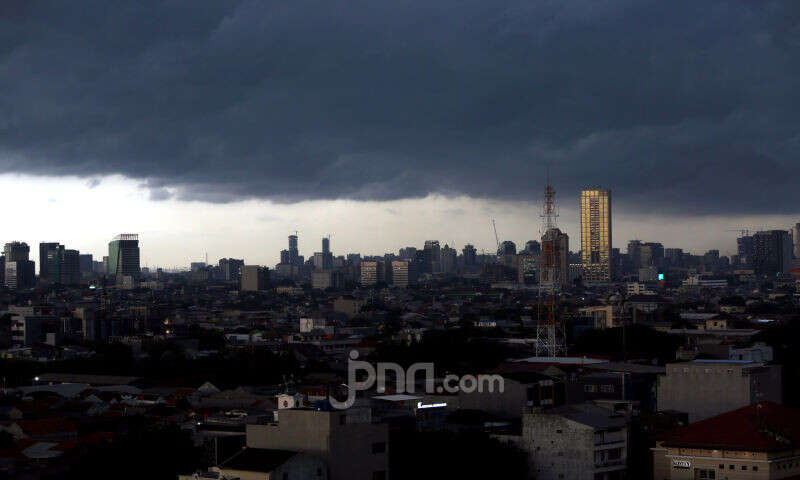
722,466
731,467
285,476
590,388
378,447
379,475
744,467
607,388
319,472
755,469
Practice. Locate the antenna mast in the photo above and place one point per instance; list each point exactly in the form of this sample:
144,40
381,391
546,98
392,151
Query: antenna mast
551,340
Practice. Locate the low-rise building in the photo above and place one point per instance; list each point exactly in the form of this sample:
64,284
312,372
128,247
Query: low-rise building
580,442
705,388
756,442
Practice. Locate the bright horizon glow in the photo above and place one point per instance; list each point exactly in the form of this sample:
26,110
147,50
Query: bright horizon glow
84,216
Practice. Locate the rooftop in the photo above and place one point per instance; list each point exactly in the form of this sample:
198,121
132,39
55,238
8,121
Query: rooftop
764,426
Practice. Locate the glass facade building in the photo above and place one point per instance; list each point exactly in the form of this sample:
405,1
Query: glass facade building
596,235
123,255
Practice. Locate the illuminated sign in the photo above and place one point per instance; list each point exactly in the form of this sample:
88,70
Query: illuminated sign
681,464
660,276
431,405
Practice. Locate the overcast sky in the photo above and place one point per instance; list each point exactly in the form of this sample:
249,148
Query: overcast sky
224,126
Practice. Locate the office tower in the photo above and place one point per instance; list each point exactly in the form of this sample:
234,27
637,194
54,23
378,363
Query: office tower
327,256
596,234
254,278
19,271
772,252
319,261
294,257
448,259
556,243
285,257
403,273
651,255
744,250
408,253
532,247
44,249
70,273
432,256
506,247
231,269
2,269
796,240
470,254
635,253
372,272
123,256
86,261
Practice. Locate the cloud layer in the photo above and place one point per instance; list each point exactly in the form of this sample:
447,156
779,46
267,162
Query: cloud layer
678,106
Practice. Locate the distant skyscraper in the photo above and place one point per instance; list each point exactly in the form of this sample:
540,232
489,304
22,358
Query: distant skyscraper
254,278
293,252
772,252
403,273
432,256
557,269
231,269
470,255
596,234
20,272
506,247
448,259
44,249
86,261
532,247
123,255
796,240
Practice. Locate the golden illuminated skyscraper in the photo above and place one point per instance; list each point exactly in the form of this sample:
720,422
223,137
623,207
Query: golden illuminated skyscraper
596,234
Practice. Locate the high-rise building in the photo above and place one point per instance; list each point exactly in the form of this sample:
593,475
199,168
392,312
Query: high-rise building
59,265
123,256
293,251
231,269
532,247
506,247
448,257
86,261
20,272
432,256
772,252
407,253
44,249
470,254
403,273
254,278
596,234
372,272
744,250
556,243
796,240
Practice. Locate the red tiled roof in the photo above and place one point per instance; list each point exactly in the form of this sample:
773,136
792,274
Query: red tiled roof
764,426
47,426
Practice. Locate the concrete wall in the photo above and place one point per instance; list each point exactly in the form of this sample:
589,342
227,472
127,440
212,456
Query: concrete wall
557,446
345,445
705,390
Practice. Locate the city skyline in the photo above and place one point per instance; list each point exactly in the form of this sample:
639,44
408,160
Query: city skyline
409,223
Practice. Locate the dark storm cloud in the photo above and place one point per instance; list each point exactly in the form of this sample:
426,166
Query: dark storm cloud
678,106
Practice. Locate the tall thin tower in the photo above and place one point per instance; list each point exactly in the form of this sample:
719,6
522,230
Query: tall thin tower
550,338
